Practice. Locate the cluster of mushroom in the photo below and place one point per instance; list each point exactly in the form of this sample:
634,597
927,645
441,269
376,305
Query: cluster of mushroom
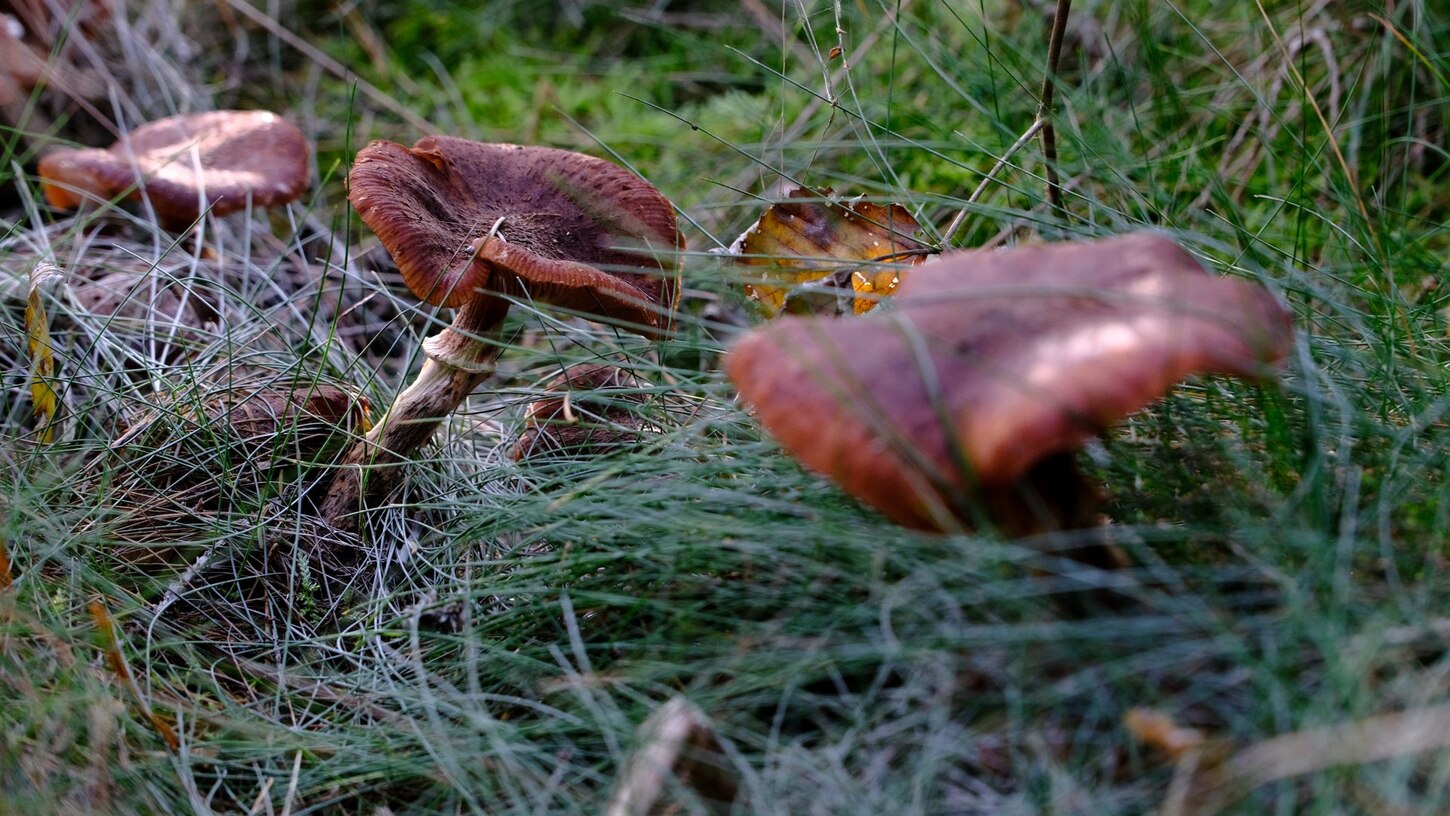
958,407
471,227
474,226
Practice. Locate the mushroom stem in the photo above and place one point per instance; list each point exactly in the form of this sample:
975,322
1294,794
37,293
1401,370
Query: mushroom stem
459,358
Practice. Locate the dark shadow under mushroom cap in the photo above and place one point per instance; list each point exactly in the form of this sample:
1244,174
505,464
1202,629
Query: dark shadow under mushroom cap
577,232
183,163
992,361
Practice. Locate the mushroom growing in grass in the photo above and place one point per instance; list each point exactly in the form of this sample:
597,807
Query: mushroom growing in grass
471,225
964,403
186,165
593,408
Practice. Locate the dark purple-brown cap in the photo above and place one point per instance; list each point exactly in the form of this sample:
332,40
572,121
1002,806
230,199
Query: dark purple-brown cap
548,225
592,408
186,165
993,361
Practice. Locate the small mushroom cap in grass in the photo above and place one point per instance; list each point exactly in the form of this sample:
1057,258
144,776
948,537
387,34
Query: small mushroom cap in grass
549,225
298,424
186,164
595,411
154,314
199,451
993,362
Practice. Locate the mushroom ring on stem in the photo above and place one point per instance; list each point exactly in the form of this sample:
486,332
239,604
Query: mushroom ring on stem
467,222
963,403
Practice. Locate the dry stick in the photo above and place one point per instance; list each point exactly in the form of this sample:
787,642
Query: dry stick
331,65
1315,749
956,224
1044,109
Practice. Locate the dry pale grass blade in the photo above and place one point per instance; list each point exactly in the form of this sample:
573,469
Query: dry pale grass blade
676,745
1215,785
45,402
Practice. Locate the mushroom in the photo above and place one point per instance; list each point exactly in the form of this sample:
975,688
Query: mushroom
186,165
472,224
178,459
593,408
964,403
145,311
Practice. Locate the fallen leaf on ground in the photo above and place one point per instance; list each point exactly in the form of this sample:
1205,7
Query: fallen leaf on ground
813,237
45,403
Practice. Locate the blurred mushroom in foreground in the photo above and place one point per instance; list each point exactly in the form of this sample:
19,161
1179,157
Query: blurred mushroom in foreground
596,410
469,223
216,162
962,405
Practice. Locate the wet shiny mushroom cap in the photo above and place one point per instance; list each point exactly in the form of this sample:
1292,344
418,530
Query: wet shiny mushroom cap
537,223
992,362
188,164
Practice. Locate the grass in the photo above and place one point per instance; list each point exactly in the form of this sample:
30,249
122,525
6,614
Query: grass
515,623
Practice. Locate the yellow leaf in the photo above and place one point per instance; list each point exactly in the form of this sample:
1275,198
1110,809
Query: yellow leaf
870,285
814,237
45,404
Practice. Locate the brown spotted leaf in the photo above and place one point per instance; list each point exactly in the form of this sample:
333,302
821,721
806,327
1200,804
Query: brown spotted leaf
813,236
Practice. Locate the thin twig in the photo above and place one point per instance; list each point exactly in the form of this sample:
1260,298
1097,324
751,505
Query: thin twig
956,224
181,584
1044,109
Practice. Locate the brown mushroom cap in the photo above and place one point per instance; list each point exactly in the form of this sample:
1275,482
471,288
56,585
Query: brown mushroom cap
595,411
185,164
162,311
993,361
576,232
